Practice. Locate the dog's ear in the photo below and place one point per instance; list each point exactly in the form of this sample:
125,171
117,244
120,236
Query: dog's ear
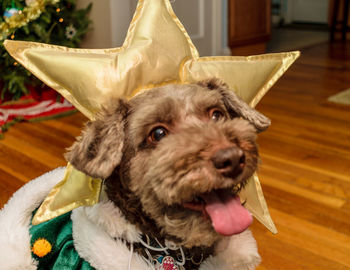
236,106
99,149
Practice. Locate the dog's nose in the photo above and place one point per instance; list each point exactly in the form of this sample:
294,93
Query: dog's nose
229,161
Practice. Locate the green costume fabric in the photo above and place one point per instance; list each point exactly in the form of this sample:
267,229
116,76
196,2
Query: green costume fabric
63,256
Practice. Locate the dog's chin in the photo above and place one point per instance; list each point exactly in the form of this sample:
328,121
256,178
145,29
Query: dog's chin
194,204
189,228
209,216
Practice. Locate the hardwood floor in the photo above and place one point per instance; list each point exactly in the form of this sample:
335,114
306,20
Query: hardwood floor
305,171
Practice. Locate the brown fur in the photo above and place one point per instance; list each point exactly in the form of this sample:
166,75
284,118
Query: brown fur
150,182
99,149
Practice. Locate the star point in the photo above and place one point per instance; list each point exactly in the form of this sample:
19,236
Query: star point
157,50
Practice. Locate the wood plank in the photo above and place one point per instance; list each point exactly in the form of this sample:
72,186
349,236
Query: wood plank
305,179
278,254
306,209
330,201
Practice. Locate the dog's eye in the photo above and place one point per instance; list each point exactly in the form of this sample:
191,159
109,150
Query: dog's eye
216,115
157,134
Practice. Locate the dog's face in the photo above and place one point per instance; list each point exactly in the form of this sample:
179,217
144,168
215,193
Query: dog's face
176,156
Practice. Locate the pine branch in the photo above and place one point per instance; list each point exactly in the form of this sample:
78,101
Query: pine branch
47,28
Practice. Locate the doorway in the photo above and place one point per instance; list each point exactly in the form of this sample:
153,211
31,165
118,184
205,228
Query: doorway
297,24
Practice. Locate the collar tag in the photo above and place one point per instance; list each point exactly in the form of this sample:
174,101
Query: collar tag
166,263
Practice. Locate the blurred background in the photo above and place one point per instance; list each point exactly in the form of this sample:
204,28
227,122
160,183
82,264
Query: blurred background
215,26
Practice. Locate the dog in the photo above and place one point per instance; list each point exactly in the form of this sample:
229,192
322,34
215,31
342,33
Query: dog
173,159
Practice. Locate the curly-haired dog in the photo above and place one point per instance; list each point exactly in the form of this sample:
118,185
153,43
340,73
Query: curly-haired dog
173,159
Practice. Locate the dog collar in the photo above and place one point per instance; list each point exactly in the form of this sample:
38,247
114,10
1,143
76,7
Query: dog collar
169,256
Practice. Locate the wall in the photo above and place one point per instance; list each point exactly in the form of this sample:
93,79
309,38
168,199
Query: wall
110,23
99,36
111,19
225,50
309,11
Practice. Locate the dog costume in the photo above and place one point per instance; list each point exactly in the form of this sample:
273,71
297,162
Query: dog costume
96,237
79,231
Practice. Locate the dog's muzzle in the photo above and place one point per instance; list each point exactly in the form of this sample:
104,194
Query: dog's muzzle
229,162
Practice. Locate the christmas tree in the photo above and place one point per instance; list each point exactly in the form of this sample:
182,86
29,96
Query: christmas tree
49,21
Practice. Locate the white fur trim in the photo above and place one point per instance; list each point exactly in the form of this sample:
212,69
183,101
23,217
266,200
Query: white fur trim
111,219
96,246
96,228
238,252
15,220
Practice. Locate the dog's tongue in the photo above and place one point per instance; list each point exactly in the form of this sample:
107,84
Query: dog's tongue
227,214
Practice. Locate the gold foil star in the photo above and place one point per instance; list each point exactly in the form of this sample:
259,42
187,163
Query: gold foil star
156,51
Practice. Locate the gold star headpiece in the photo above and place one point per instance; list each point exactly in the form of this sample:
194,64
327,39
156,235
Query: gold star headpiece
156,51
